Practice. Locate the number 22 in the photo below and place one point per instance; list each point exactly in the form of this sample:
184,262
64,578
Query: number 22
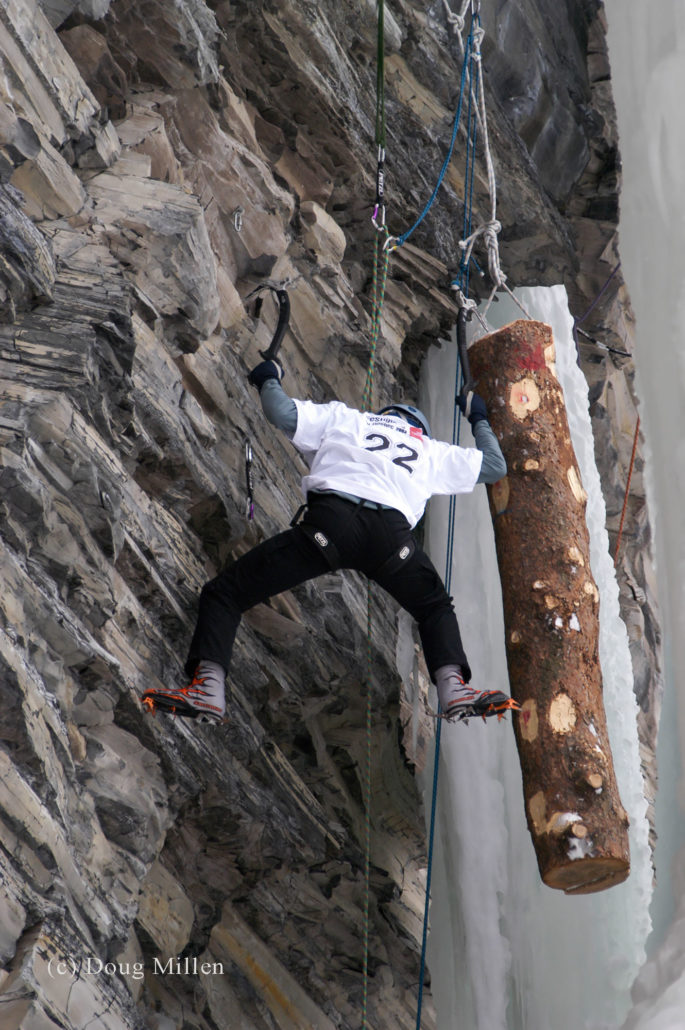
403,460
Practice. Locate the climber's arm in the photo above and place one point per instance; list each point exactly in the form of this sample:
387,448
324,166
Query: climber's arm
279,409
494,466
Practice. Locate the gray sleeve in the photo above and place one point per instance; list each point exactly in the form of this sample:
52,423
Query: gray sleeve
279,409
494,466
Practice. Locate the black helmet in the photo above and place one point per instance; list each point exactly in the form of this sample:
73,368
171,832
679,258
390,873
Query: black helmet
412,415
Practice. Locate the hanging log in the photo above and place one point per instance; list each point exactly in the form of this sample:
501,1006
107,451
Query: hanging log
551,615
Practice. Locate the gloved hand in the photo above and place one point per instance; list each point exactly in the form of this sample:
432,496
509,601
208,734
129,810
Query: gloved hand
477,409
263,371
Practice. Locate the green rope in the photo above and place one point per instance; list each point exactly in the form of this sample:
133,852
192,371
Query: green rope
380,276
377,297
367,817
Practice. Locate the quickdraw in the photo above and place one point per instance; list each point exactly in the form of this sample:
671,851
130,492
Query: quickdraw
249,484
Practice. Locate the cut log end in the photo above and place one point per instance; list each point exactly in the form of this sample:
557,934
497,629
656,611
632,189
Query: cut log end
587,875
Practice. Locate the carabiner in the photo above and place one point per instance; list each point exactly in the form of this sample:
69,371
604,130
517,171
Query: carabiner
249,485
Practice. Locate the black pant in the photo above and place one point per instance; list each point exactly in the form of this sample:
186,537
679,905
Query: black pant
377,542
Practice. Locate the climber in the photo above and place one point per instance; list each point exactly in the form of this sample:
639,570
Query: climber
370,476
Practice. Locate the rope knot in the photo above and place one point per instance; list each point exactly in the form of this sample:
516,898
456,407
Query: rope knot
490,231
457,21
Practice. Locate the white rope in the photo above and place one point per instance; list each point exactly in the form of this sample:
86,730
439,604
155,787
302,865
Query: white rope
518,302
478,36
490,229
457,21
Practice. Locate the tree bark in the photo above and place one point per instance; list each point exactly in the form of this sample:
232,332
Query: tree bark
551,615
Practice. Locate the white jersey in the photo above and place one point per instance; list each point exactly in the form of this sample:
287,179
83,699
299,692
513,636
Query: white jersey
380,458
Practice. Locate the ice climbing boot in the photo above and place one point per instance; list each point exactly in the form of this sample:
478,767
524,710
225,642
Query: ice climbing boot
202,699
459,701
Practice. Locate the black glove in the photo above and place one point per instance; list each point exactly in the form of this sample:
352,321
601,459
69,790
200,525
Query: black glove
263,371
476,411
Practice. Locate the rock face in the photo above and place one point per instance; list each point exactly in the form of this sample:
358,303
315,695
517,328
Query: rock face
157,161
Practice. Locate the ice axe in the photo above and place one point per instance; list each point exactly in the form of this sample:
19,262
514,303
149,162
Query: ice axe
283,301
469,383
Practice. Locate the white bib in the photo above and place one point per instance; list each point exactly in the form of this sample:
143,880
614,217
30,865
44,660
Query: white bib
380,458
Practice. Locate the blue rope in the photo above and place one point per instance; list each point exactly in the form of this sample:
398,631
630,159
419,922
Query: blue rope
424,942
451,523
463,282
445,165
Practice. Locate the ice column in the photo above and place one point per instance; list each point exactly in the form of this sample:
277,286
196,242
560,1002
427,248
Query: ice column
506,952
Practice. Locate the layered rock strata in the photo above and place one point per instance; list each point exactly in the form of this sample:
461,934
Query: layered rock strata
157,161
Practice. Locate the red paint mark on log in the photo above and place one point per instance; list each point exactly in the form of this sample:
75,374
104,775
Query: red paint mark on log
532,356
